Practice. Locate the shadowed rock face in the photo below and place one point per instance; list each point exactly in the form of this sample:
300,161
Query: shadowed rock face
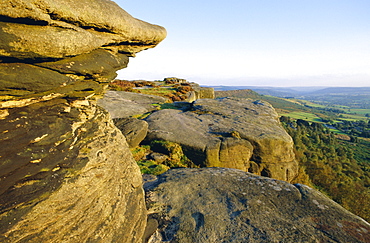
230,132
66,172
228,205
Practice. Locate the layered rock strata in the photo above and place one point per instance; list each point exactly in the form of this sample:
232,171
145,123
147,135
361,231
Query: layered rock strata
57,29
226,205
66,172
236,133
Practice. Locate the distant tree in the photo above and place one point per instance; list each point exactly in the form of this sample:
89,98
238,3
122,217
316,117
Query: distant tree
354,139
285,119
301,122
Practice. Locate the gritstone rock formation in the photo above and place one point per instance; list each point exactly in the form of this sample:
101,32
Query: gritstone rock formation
227,205
122,104
231,132
66,172
57,29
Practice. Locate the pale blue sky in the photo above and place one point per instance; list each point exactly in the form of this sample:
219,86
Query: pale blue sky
259,42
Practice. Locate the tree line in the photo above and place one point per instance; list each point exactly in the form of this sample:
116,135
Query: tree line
331,166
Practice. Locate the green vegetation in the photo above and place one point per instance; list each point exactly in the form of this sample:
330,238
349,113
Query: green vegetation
305,116
357,128
168,89
159,156
340,169
151,167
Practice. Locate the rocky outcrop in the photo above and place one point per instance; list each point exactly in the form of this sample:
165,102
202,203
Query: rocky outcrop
122,104
236,133
199,93
57,29
228,205
173,80
67,175
66,172
203,92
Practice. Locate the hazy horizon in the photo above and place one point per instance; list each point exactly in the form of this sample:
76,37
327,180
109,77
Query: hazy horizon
274,43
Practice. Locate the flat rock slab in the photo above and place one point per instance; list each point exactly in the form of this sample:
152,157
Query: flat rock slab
229,205
122,104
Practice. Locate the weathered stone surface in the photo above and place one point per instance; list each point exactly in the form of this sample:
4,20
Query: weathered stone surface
200,93
66,172
58,29
230,132
122,104
203,92
23,41
174,80
21,79
133,129
228,205
206,93
67,175
98,63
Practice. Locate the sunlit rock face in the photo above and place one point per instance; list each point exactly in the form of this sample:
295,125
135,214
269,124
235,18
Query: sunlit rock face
57,29
66,172
235,133
227,205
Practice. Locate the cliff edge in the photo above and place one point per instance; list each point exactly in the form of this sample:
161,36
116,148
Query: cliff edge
66,172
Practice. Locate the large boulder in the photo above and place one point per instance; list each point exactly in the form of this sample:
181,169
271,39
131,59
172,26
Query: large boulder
66,171
133,129
203,92
57,29
229,132
226,205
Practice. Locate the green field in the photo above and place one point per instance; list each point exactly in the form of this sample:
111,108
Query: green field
351,117
362,112
304,116
309,103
